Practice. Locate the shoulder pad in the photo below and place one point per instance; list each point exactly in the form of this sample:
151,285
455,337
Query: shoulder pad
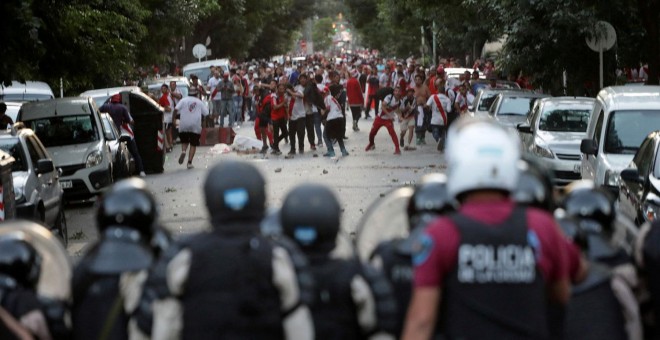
386,306
301,266
155,288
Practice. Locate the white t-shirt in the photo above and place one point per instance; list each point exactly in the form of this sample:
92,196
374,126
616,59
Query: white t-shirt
213,82
298,110
167,117
392,103
436,116
191,110
333,105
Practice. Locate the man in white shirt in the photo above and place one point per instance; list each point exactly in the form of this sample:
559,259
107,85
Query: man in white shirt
297,117
190,110
440,105
391,105
334,126
213,82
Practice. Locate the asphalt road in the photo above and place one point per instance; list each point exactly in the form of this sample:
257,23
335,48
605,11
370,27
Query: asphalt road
358,179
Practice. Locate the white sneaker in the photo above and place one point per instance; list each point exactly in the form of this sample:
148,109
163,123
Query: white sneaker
142,174
190,166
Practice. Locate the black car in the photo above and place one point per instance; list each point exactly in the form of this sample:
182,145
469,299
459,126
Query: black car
639,189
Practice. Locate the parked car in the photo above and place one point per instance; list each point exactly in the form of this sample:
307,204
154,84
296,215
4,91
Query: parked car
501,84
483,100
203,69
72,131
37,191
123,164
511,108
100,96
28,91
553,132
622,117
639,189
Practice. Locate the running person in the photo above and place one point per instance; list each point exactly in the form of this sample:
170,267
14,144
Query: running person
391,105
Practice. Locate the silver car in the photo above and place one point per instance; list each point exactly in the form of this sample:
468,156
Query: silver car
553,132
38,193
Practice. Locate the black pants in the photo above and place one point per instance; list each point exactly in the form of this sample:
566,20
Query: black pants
279,132
132,148
309,125
297,127
356,112
368,108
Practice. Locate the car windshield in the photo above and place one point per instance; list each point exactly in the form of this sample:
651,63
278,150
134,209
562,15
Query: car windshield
565,120
64,130
486,100
100,100
515,106
12,111
23,97
627,129
155,90
13,147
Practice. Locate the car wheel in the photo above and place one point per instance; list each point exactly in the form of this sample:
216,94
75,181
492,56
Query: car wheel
61,228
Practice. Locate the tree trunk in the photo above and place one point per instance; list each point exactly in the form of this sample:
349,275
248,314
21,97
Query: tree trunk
649,12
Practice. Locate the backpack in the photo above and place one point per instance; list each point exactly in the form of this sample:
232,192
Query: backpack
384,92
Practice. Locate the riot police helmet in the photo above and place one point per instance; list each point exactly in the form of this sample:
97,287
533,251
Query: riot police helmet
430,197
310,215
235,191
534,188
128,203
593,204
19,260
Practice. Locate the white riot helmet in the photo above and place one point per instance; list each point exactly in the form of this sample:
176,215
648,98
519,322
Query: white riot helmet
481,155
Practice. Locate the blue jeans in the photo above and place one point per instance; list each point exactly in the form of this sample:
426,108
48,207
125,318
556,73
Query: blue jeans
317,126
238,108
439,134
226,108
216,108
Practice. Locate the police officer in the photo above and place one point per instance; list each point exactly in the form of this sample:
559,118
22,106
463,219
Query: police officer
346,291
108,280
494,267
534,188
394,257
229,282
647,253
20,266
606,295
594,310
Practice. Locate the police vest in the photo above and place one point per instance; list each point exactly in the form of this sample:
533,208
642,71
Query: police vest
95,306
495,290
333,309
651,253
594,312
229,292
397,268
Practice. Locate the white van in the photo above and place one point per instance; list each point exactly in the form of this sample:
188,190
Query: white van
203,69
29,91
72,131
622,117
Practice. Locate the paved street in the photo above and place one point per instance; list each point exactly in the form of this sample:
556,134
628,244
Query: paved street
358,179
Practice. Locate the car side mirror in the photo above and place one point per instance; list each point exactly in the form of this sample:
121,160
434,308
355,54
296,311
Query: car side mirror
589,147
631,175
524,128
45,166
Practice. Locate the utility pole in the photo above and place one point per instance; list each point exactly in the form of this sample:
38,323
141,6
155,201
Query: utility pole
434,33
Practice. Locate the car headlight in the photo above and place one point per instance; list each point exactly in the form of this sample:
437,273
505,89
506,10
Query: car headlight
612,178
650,211
93,159
542,151
19,196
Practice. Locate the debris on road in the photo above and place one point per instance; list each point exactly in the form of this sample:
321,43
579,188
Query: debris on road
278,170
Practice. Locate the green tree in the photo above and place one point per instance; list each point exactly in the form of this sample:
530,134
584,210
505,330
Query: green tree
322,33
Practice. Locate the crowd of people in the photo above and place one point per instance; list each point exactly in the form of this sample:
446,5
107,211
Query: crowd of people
491,253
309,104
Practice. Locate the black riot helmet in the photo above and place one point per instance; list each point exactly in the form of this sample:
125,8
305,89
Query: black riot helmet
593,204
535,188
311,215
235,190
575,231
128,203
19,260
429,198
